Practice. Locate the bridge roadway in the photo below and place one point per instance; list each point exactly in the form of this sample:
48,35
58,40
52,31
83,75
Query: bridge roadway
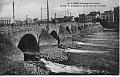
34,35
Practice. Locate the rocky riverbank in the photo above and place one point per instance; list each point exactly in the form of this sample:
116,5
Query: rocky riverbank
53,53
23,68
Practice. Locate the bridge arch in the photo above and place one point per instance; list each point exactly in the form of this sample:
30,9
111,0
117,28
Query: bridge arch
79,28
55,35
67,28
28,41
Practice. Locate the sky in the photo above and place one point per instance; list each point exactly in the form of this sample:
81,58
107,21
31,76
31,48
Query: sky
32,8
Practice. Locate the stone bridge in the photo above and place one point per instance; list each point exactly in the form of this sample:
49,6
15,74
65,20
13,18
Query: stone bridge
17,33
34,35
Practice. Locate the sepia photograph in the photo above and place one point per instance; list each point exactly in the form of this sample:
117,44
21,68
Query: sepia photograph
59,37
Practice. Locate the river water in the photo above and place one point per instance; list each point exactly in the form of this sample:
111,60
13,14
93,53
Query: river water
99,54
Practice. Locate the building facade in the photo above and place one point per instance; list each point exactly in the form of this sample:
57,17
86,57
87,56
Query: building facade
5,21
82,18
92,15
64,19
107,16
57,20
116,15
18,22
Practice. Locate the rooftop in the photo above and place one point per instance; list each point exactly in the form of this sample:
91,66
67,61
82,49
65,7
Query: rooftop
93,13
107,12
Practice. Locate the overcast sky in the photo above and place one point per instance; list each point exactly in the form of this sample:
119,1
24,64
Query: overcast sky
32,8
